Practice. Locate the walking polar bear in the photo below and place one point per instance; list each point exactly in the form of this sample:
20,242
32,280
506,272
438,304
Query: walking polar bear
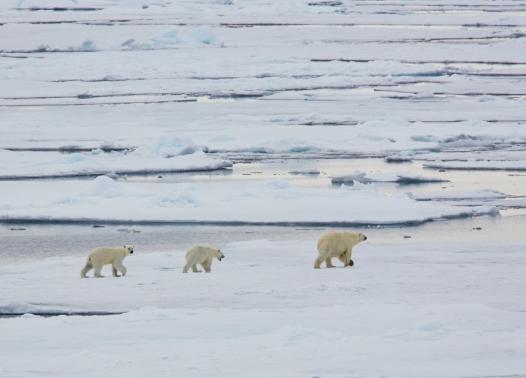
105,256
337,244
203,256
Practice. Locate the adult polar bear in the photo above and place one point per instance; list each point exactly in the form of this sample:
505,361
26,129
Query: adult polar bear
105,256
202,255
337,244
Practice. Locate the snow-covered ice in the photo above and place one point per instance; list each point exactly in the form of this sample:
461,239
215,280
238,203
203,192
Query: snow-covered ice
453,195
298,78
477,198
480,165
115,88
404,309
277,201
144,160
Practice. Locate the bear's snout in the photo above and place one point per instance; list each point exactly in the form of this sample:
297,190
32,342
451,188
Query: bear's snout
364,238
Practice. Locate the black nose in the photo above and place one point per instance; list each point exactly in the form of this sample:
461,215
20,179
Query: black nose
364,237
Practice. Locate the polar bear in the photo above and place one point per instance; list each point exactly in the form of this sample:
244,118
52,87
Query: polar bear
105,256
337,244
201,255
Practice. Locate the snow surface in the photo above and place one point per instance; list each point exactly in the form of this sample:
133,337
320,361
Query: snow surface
297,77
455,195
18,165
178,85
480,165
405,309
231,80
105,199
486,197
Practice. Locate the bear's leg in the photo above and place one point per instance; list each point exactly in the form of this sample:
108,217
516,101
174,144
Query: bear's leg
345,257
117,267
329,262
317,263
187,266
194,269
207,264
348,257
121,268
98,269
86,269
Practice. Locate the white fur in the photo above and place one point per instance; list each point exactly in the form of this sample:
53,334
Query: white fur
203,256
337,244
105,256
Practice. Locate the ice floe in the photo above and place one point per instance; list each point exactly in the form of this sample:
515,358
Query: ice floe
479,165
161,157
273,202
460,195
443,305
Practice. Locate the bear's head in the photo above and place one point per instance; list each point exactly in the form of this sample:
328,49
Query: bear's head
354,237
129,249
219,255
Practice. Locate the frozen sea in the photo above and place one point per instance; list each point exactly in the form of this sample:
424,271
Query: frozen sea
256,126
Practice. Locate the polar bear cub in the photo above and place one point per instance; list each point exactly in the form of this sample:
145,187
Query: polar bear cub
203,256
337,244
105,256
